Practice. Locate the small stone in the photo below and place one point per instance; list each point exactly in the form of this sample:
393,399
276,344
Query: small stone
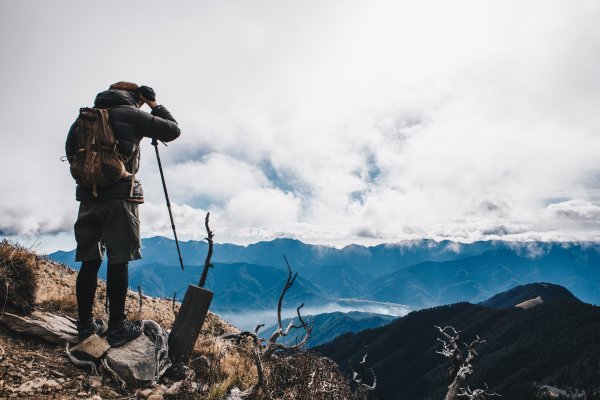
174,388
82,394
60,380
155,397
95,381
144,394
31,385
109,393
57,373
51,384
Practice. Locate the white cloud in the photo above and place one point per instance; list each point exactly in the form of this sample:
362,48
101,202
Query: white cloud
577,210
266,207
331,122
216,177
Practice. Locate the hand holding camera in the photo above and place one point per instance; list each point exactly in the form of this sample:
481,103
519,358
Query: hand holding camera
148,96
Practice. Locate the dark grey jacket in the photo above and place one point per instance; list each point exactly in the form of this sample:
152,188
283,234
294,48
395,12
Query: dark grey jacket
129,125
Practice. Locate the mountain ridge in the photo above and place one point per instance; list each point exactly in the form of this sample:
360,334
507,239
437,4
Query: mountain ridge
441,273
546,292
524,350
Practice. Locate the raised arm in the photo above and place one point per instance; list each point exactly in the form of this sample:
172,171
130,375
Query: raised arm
159,124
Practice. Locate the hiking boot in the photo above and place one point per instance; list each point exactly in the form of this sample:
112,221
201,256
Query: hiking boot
123,332
88,328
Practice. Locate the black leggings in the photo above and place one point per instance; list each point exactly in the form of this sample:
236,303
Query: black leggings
117,283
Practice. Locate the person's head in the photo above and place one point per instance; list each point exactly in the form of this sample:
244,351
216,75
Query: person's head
130,87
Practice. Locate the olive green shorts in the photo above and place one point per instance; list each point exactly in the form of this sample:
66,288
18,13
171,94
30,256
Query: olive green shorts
110,225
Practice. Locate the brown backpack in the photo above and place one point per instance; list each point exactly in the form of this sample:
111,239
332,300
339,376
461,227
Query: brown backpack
97,162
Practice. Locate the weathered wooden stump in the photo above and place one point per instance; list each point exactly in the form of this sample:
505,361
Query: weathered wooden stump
188,323
51,327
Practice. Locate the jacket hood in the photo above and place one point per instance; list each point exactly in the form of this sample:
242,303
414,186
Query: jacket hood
114,97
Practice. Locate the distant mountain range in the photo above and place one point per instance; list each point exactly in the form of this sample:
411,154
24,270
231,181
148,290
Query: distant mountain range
421,273
527,351
328,326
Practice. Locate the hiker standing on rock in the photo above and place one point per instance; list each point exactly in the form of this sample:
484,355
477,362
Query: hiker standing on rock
103,152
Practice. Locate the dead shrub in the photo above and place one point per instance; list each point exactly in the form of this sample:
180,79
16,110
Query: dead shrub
305,375
17,277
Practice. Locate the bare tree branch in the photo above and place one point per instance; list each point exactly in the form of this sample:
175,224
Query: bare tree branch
260,373
207,263
262,351
272,344
5,298
460,364
120,382
173,306
477,394
140,300
359,376
258,326
80,363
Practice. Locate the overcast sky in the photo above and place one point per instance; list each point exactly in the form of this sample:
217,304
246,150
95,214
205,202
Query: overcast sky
327,121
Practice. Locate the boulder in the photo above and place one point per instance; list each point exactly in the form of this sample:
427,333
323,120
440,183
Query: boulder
135,361
144,360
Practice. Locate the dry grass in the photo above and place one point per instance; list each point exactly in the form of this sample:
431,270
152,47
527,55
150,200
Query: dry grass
17,279
219,366
60,305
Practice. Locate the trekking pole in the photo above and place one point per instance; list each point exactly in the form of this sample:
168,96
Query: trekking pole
162,177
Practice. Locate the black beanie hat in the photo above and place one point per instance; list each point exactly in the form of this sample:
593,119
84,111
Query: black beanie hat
147,92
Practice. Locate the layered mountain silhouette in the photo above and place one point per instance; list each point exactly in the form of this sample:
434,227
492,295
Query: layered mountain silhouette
237,287
421,273
554,344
